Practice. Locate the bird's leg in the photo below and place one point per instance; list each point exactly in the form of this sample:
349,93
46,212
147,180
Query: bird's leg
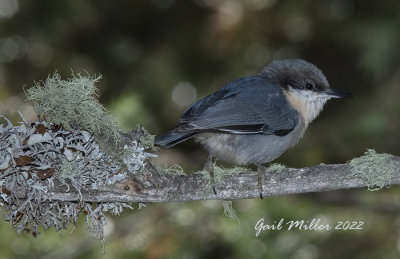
260,174
209,167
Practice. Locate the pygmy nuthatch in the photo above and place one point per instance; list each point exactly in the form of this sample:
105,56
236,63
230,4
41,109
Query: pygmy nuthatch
253,120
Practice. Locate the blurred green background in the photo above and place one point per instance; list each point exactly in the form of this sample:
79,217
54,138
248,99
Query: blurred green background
159,56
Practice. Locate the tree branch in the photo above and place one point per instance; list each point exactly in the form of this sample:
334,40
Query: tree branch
41,162
156,186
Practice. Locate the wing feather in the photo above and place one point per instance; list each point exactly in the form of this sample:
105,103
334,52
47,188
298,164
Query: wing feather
249,105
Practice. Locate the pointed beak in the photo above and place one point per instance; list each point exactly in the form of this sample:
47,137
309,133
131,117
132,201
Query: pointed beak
337,94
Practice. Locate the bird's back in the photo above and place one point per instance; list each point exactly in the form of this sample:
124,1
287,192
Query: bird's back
252,108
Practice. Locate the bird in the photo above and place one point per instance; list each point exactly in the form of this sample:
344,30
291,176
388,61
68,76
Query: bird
254,120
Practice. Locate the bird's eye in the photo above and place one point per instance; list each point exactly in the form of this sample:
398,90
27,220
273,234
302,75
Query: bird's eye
309,86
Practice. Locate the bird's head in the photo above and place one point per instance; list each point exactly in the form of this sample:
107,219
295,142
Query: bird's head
304,85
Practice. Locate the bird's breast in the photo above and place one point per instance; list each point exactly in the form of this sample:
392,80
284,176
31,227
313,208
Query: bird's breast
249,149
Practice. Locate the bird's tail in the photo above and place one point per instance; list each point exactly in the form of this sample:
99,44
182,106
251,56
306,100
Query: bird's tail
172,138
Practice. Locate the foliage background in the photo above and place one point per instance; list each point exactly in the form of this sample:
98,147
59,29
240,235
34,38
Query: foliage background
159,56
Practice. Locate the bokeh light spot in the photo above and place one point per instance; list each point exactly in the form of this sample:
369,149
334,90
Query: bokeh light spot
13,47
8,8
184,94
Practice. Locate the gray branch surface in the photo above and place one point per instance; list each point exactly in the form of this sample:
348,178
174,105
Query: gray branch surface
155,186
49,175
48,164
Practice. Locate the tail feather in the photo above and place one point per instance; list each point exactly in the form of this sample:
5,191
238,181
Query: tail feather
172,138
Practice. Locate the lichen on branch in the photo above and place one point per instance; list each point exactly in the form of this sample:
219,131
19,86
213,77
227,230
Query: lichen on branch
72,103
76,146
375,169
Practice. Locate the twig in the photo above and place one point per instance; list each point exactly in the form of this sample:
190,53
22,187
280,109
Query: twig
160,187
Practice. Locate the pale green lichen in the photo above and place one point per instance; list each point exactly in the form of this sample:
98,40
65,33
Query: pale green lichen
147,141
72,103
71,157
375,169
276,168
229,211
65,170
219,172
170,169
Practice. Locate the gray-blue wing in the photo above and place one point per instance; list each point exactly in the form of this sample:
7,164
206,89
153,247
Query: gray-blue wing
249,105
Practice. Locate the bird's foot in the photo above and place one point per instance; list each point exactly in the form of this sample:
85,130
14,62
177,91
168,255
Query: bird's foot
209,167
260,174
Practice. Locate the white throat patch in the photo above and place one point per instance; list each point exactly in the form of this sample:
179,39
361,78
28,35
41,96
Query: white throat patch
308,103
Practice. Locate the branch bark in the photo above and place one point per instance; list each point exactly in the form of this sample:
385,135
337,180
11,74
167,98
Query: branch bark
155,186
48,175
31,154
